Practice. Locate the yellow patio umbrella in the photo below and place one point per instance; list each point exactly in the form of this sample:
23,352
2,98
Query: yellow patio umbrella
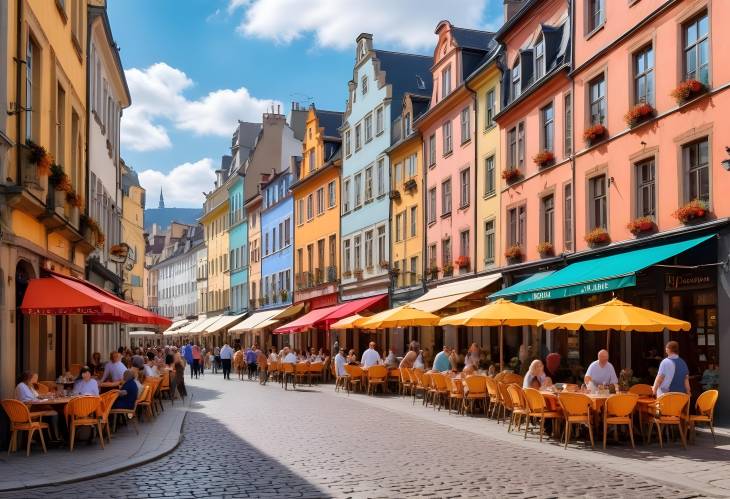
618,315
402,316
498,313
347,322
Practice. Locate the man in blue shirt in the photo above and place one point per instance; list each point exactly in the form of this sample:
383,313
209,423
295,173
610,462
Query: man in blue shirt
441,362
187,353
251,361
673,374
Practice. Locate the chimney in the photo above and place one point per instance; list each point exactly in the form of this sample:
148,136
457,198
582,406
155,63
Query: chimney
512,7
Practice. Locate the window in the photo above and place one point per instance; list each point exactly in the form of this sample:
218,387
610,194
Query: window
644,75
491,108
597,95
599,202
357,252
346,196
697,49
382,256
60,123
446,82
32,87
595,14
446,197
464,243
381,176
548,219
432,150
432,205
346,251
489,241
407,125
539,53
333,253
368,128
348,149
464,188
364,85
358,190
398,224
521,145
568,125
568,217
489,176
411,166
465,132
311,160
446,132
368,184
512,147
331,194
266,246
379,121
696,164
516,221
358,143
547,117
310,207
645,189
432,255
414,220
446,253
516,84
369,249
320,201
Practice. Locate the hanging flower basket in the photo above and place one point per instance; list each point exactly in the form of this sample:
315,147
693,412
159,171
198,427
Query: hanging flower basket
462,262
513,254
688,90
544,158
410,184
38,156
545,249
595,133
284,295
597,237
511,175
694,210
639,114
641,225
394,195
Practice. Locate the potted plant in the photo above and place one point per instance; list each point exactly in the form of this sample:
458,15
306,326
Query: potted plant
545,249
544,158
383,264
61,184
462,262
694,210
38,156
597,237
513,254
688,90
511,175
410,184
284,295
595,133
358,274
433,271
641,225
638,114
74,199
448,270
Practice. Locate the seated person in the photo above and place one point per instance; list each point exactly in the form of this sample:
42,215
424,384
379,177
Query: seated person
128,393
391,361
710,377
85,384
601,372
535,376
114,370
150,367
290,357
409,359
25,392
370,357
352,358
442,361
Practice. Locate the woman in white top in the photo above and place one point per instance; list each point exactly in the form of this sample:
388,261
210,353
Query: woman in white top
25,392
535,377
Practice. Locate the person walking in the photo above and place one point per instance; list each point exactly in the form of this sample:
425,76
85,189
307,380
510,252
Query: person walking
263,366
217,359
187,354
196,359
226,354
251,361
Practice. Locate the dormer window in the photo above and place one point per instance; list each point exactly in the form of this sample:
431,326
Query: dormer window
364,85
446,82
539,52
407,125
516,80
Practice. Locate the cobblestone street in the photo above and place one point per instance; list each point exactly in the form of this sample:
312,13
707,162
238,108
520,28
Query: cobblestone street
244,440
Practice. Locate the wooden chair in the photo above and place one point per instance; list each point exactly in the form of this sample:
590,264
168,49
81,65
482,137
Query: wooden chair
287,374
576,410
107,401
505,402
20,421
356,375
619,410
456,394
405,381
671,410
642,390
519,406
144,405
377,377
420,384
493,392
705,407
302,371
341,381
510,378
439,390
537,408
131,414
394,378
477,392
75,370
164,388
84,411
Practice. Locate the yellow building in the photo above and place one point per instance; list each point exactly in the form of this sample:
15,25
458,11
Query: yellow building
253,212
316,211
215,222
45,94
406,205
133,202
486,82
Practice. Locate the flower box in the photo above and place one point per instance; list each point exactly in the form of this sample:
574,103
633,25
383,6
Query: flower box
448,270
394,195
639,114
38,156
595,133
384,264
410,184
688,90
694,210
546,249
544,158
284,295
462,262
347,273
58,179
511,175
358,274
597,237
74,199
513,254
433,272
641,225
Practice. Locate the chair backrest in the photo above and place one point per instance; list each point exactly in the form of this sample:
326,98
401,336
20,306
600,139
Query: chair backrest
499,376
439,381
672,404
505,396
535,400
353,371
51,385
492,388
621,404
575,404
510,378
16,410
516,396
450,385
142,395
377,372
705,404
316,368
82,407
107,401
287,367
165,381
75,369
477,385
641,389
41,388
405,375
427,380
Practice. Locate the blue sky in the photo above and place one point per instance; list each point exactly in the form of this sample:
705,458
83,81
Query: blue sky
196,66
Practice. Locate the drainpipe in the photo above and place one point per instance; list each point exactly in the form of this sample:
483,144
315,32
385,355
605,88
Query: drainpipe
424,213
86,170
572,127
476,163
19,61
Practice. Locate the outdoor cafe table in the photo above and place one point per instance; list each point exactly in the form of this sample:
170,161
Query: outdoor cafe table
109,385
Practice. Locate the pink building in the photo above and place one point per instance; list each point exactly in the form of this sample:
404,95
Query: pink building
447,129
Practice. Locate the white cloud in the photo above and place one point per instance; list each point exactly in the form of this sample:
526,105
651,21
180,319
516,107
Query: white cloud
335,23
158,100
183,186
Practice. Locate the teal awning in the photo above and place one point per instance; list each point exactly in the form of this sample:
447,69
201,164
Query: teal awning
596,275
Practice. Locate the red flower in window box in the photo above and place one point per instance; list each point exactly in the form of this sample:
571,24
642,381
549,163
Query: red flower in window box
638,114
544,158
511,174
448,269
641,225
688,90
513,253
546,248
38,156
462,262
597,237
76,200
594,133
694,210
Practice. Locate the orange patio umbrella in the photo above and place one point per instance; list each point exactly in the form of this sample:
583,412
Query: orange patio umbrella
402,316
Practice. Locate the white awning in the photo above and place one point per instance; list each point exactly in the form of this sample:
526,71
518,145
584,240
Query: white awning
446,294
187,327
255,320
199,328
138,334
223,322
177,325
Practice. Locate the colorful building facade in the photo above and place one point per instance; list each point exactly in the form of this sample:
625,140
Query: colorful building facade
215,223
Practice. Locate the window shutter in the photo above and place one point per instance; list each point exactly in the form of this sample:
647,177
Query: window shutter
527,67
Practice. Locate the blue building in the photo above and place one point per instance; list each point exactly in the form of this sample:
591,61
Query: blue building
238,247
277,241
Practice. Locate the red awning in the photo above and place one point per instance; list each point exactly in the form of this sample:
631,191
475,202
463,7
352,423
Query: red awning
323,317
63,295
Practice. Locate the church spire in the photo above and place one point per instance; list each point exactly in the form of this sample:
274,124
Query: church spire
162,200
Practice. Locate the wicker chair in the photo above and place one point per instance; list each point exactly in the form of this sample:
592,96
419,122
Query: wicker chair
493,392
477,393
164,388
405,381
84,411
356,375
287,374
705,407
505,402
131,414
538,409
440,392
576,410
671,409
618,410
20,421
519,406
377,376
107,401
456,393
146,403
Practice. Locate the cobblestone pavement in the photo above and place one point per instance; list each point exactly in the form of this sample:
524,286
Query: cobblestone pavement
246,440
